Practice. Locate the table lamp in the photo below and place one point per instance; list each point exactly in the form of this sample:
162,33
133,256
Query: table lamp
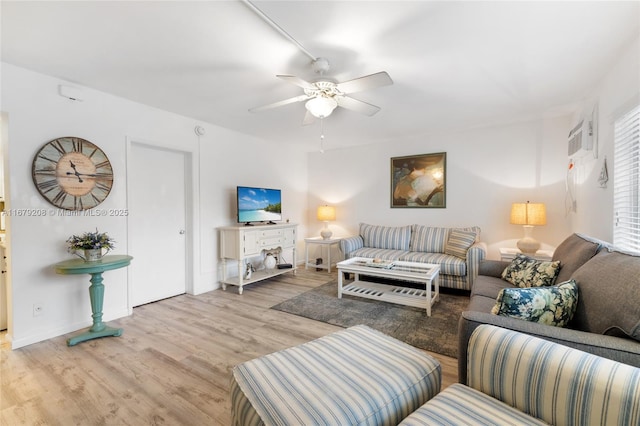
528,215
325,214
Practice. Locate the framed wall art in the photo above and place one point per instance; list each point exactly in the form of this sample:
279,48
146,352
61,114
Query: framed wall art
419,181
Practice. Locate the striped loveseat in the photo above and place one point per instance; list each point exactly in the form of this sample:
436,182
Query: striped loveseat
458,251
517,379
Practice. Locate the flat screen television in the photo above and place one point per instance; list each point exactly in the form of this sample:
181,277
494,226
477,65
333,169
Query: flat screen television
258,204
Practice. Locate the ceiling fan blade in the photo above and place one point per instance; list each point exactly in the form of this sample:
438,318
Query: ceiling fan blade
356,105
365,83
297,81
308,119
281,103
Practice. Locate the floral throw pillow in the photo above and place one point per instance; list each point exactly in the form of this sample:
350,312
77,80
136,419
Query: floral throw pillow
545,305
525,271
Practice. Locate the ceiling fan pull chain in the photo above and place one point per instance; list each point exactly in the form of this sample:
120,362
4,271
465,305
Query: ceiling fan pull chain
322,135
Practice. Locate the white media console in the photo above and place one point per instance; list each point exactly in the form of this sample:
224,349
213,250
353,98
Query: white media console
239,243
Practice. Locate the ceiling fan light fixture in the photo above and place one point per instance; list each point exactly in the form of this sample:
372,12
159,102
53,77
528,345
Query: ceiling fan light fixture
321,107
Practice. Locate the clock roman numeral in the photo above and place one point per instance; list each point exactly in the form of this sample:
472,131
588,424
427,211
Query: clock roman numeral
58,146
93,152
48,185
59,198
45,172
104,164
47,159
77,145
103,187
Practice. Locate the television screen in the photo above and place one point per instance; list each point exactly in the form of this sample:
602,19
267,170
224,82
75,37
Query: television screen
258,204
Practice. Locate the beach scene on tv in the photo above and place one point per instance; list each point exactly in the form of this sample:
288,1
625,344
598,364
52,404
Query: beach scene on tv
258,204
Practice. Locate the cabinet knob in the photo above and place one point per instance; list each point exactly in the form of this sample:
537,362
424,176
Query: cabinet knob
182,231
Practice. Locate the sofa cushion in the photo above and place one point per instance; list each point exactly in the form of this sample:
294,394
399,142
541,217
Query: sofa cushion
554,305
386,237
462,405
374,253
609,302
449,265
429,239
573,252
525,271
489,286
459,242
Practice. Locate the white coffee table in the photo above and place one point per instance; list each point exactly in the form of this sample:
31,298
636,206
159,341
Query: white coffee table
425,273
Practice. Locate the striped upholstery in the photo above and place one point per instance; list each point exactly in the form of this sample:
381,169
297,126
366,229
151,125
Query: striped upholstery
428,238
349,244
386,237
459,242
449,265
557,384
461,405
373,253
356,376
518,379
455,272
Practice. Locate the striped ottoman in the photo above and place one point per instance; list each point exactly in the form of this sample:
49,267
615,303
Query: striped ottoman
356,376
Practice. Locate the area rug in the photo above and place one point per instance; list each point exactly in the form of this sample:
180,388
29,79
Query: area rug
437,333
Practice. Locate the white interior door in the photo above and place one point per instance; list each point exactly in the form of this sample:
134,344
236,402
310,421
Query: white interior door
157,223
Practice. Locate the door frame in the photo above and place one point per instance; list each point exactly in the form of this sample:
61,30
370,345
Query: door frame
190,201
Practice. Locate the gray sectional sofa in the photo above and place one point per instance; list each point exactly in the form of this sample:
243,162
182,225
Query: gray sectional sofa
607,317
458,251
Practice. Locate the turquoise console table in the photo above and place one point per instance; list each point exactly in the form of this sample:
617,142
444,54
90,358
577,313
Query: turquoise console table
96,291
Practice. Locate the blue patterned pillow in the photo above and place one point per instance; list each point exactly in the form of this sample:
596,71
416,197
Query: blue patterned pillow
545,305
525,271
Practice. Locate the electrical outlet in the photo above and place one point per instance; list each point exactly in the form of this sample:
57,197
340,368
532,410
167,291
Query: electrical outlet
37,309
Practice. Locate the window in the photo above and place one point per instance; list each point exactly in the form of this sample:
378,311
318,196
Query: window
626,185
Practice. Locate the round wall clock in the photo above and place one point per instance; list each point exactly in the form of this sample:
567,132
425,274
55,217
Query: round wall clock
72,173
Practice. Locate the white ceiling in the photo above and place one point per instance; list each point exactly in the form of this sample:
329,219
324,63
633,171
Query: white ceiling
454,64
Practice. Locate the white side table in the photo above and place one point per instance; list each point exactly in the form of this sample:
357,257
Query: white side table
322,243
508,254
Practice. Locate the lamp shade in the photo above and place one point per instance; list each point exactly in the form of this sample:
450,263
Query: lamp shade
326,213
321,106
528,214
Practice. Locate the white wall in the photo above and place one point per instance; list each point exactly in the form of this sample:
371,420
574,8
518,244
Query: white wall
487,170
618,91
222,159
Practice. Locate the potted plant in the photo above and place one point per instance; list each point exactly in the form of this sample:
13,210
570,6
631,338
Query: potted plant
91,243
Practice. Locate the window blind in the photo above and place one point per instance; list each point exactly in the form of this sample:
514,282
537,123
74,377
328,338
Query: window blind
626,181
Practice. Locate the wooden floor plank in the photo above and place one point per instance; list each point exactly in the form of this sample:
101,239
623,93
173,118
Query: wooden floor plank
171,366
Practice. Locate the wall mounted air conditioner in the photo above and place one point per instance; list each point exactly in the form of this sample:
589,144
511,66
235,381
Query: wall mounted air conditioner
581,139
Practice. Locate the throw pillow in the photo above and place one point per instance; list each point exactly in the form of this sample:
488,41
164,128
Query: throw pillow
525,271
459,242
545,305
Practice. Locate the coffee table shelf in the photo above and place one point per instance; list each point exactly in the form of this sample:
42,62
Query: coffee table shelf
426,274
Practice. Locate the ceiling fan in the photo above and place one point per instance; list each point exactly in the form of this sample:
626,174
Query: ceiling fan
324,95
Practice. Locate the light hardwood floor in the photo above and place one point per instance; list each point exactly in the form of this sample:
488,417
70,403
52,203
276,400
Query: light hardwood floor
172,365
